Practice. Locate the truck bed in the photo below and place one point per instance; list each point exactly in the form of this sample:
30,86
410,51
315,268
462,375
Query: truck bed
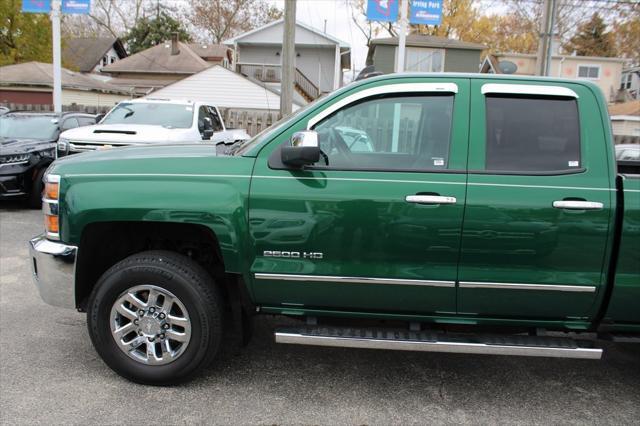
624,305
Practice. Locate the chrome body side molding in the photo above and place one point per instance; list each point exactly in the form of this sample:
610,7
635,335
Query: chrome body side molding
518,286
353,280
426,283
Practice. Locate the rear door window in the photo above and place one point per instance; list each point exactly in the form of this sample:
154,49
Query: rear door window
532,134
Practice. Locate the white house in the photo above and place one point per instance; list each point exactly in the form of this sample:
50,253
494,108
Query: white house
90,54
630,82
320,58
225,89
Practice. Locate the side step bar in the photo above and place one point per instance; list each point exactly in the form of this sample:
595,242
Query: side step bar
425,341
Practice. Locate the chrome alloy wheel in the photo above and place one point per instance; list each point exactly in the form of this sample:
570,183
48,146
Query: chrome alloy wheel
150,325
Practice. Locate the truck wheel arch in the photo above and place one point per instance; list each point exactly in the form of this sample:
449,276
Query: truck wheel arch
103,244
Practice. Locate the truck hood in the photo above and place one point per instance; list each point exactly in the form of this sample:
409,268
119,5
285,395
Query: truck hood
160,159
124,133
23,146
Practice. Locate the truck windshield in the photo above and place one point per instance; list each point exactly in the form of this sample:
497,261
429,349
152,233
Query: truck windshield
19,126
171,116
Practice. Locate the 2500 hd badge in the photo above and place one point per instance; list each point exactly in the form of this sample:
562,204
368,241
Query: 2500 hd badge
293,254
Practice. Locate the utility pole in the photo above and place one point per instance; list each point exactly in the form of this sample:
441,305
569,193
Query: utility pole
402,36
546,33
288,58
552,9
57,62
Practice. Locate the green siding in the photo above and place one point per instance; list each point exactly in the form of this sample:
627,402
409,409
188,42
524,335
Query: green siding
458,60
455,60
384,58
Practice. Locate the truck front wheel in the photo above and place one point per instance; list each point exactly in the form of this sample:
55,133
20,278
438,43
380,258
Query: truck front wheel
156,318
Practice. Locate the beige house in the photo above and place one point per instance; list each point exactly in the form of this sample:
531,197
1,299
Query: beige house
605,72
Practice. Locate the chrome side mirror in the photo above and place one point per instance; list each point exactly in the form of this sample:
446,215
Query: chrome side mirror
303,149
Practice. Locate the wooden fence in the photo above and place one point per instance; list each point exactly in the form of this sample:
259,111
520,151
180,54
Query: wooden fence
253,121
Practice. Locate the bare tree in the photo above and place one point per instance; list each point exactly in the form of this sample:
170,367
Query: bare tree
223,19
369,29
113,18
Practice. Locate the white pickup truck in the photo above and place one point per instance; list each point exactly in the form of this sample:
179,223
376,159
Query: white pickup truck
150,121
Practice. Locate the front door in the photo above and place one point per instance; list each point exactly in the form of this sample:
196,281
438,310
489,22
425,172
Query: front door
539,199
376,226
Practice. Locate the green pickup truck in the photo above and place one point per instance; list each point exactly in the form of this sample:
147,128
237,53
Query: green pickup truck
430,212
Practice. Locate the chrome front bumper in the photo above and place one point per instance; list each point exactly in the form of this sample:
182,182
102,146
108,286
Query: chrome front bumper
54,266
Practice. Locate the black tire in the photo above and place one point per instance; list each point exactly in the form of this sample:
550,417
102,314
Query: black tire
37,188
181,276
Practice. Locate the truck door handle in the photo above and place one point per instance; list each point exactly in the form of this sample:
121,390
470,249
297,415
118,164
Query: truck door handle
430,199
577,205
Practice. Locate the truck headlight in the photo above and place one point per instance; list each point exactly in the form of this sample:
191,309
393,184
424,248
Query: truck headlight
14,158
47,153
63,146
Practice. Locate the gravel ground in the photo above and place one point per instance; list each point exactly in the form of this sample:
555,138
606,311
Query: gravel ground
50,374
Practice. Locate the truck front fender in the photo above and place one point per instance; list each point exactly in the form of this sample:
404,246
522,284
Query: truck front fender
218,202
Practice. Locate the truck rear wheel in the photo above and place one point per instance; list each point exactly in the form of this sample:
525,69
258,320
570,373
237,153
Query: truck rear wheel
156,318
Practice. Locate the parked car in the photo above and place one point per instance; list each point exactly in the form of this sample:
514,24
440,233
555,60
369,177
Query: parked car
628,152
27,147
472,226
151,121
3,110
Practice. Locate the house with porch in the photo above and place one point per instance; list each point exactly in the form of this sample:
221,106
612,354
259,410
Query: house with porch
320,58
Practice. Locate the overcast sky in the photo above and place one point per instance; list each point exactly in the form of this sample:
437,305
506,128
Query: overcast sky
339,24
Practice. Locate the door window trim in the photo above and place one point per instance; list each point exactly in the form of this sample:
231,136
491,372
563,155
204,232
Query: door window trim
395,89
527,89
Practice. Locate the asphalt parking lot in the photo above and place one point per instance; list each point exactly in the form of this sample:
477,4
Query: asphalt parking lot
50,374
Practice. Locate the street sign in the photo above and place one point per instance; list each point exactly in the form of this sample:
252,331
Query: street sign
382,10
78,7
36,6
426,12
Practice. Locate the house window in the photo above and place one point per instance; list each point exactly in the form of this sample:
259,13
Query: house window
113,59
591,72
625,83
105,61
424,60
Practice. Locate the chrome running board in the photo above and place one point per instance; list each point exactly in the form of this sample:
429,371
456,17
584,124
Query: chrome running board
403,340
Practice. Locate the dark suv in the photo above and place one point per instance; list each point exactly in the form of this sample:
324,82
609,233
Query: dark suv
27,146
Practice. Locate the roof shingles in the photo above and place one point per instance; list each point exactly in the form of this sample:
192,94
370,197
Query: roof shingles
41,74
159,60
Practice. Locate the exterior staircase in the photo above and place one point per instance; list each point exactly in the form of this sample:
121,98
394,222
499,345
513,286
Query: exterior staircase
272,73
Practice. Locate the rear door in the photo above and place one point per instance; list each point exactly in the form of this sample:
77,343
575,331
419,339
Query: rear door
539,202
376,227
